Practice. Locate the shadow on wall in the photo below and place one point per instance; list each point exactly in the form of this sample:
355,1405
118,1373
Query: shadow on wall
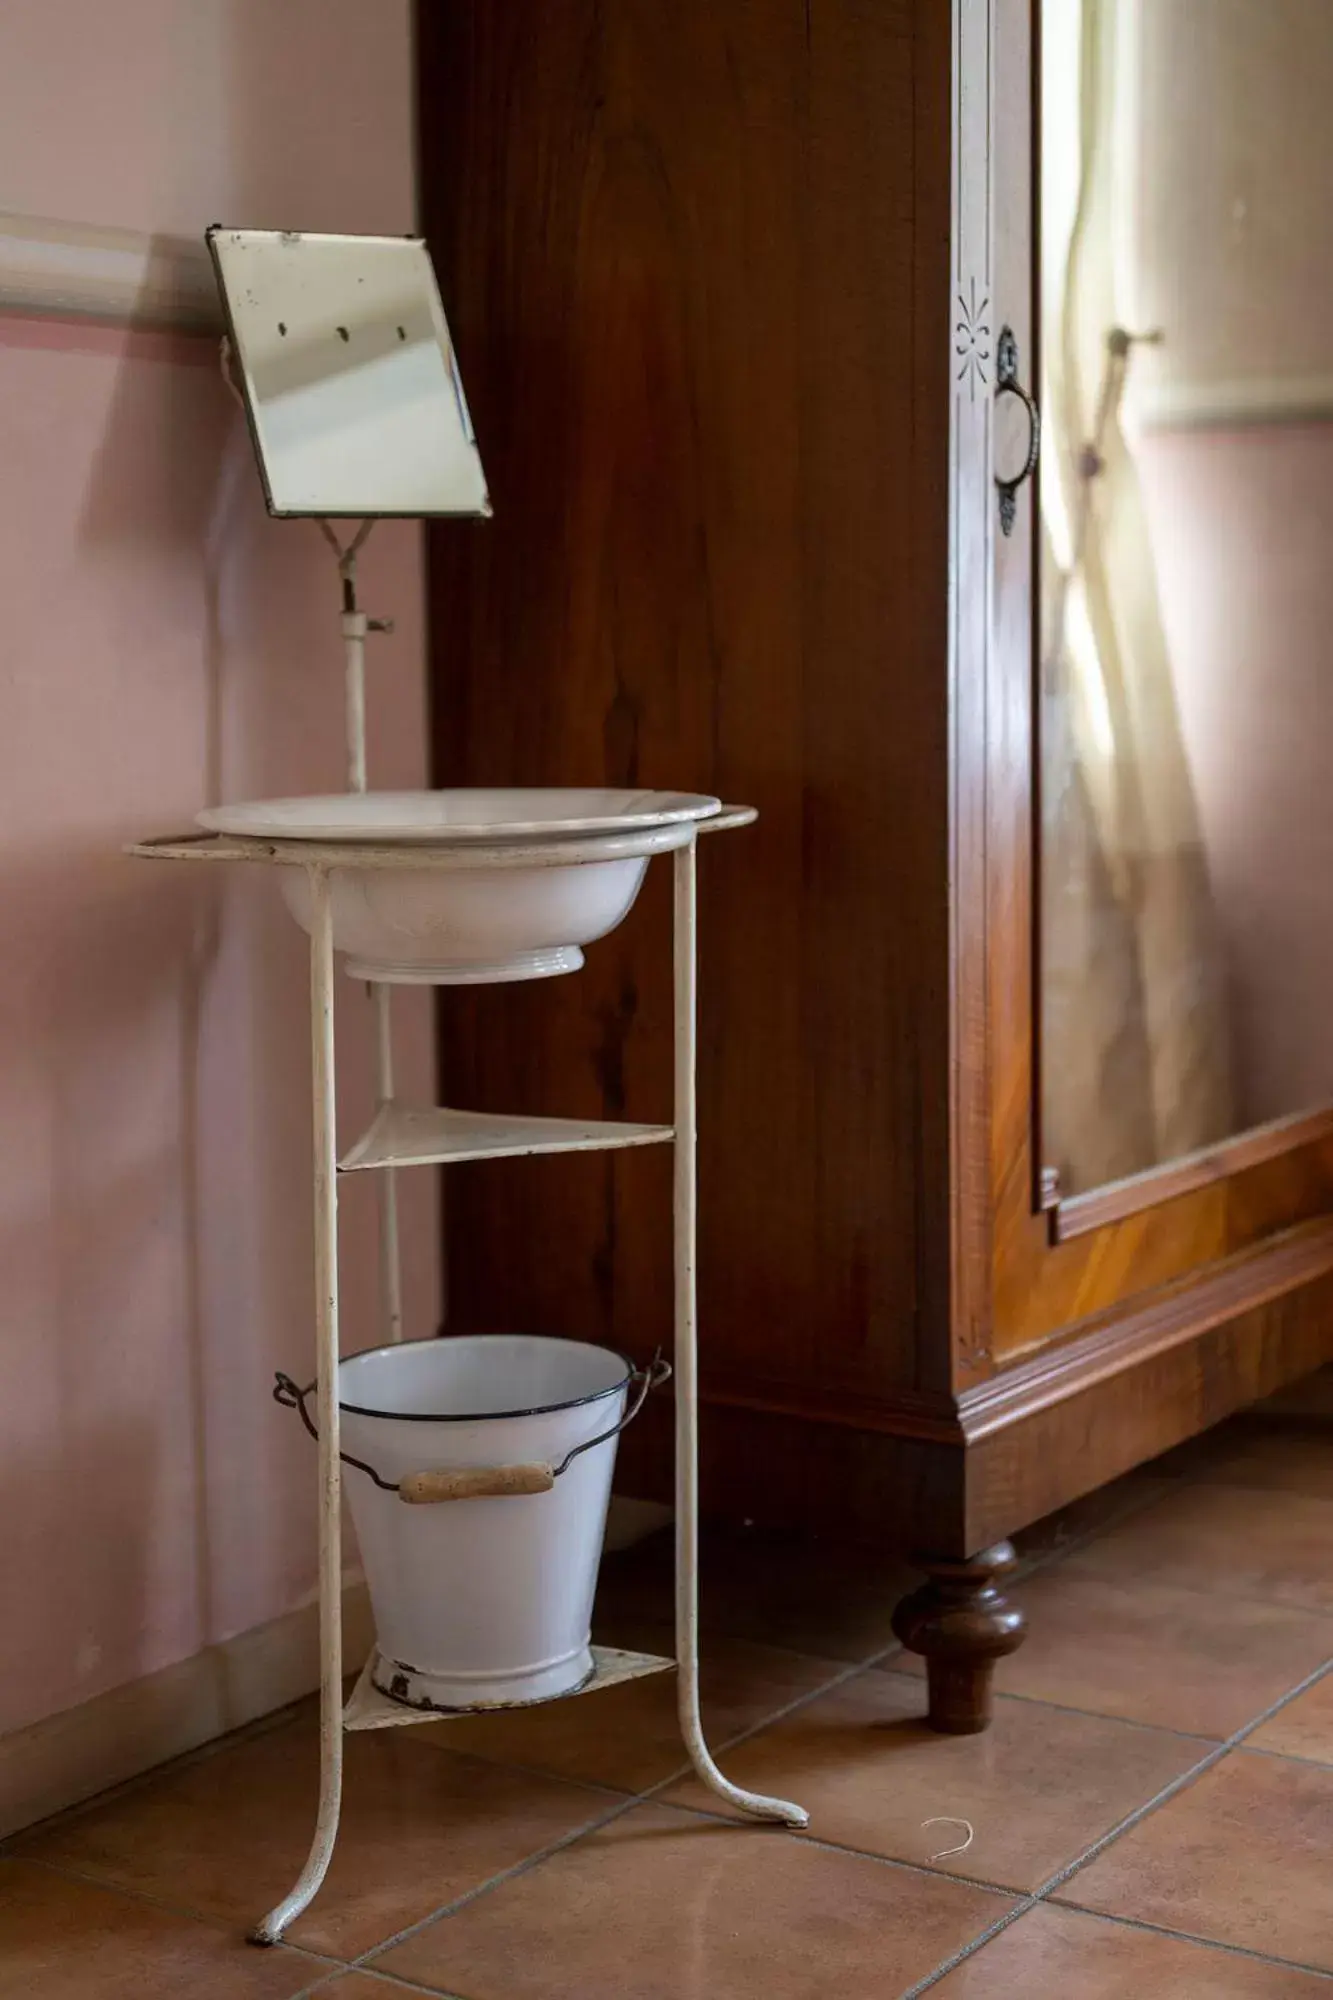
173,474
173,493
109,962
166,480
347,165
161,1264
179,647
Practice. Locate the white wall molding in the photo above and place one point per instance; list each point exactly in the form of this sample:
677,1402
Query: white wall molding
1232,405
49,267
69,1757
72,1756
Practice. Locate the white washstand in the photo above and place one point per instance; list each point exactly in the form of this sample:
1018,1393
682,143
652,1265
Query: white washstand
340,347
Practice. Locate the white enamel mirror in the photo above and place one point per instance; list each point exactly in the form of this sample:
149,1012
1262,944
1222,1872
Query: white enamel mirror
355,402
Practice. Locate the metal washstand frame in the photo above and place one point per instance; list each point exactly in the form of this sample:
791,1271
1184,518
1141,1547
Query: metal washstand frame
400,1138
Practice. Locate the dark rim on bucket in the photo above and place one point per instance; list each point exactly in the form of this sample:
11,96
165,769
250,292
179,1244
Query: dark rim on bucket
486,1416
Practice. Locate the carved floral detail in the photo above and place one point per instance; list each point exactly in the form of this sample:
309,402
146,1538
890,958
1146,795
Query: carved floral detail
972,340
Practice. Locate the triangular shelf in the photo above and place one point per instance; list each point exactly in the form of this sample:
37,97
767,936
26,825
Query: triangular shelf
403,1137
367,1708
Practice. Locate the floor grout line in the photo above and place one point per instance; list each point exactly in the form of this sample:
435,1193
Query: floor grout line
874,1661
651,1794
627,1803
683,1769
545,1772
1094,1714
230,1739
1321,1613
1054,1557
132,1893
866,1663
393,1980
977,1944
1290,1756
1135,1503
510,1874
1225,1592
1168,1792
291,1711
808,1839
1195,1937
781,1714
1028,1901
1187,1778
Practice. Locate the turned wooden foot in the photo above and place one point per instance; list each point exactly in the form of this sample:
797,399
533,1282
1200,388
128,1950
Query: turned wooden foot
961,1624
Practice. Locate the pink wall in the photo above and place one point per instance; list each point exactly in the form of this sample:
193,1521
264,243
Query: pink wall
1241,528
165,644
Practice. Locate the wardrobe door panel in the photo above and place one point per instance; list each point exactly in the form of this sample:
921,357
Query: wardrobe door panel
695,258
1158,908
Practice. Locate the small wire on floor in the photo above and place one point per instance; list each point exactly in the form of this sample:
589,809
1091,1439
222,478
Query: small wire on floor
947,1819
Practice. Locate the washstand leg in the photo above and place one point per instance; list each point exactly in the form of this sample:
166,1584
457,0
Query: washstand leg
686,1369
391,1256
271,1928
961,1623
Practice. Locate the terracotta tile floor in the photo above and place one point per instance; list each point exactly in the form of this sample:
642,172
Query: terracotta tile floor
1151,1813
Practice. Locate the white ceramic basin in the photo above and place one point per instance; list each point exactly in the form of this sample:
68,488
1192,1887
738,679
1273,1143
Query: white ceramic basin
518,813
469,926
464,924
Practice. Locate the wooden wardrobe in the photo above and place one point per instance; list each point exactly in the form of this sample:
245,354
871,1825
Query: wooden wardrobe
728,280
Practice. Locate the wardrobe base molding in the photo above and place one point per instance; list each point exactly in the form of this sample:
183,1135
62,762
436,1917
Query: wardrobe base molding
1133,1333
1043,1444
1050,1450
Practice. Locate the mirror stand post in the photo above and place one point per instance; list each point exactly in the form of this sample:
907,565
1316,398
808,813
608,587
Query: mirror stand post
355,628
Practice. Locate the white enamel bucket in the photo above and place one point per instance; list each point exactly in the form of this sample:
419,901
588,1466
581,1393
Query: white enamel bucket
482,1475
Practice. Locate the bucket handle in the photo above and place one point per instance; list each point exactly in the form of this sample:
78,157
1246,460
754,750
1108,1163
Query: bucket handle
476,1482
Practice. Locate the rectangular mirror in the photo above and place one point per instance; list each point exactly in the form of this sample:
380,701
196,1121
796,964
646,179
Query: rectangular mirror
1186,720
353,393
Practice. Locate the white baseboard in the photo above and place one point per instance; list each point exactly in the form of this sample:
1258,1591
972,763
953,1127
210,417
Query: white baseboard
72,1756
67,1758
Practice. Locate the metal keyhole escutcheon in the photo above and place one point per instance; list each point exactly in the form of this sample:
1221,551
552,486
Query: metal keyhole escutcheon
1008,384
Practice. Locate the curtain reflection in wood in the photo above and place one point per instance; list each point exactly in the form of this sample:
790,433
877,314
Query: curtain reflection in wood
1135,1058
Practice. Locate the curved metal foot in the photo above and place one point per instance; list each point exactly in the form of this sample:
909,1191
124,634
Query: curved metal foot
269,1929
756,1804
